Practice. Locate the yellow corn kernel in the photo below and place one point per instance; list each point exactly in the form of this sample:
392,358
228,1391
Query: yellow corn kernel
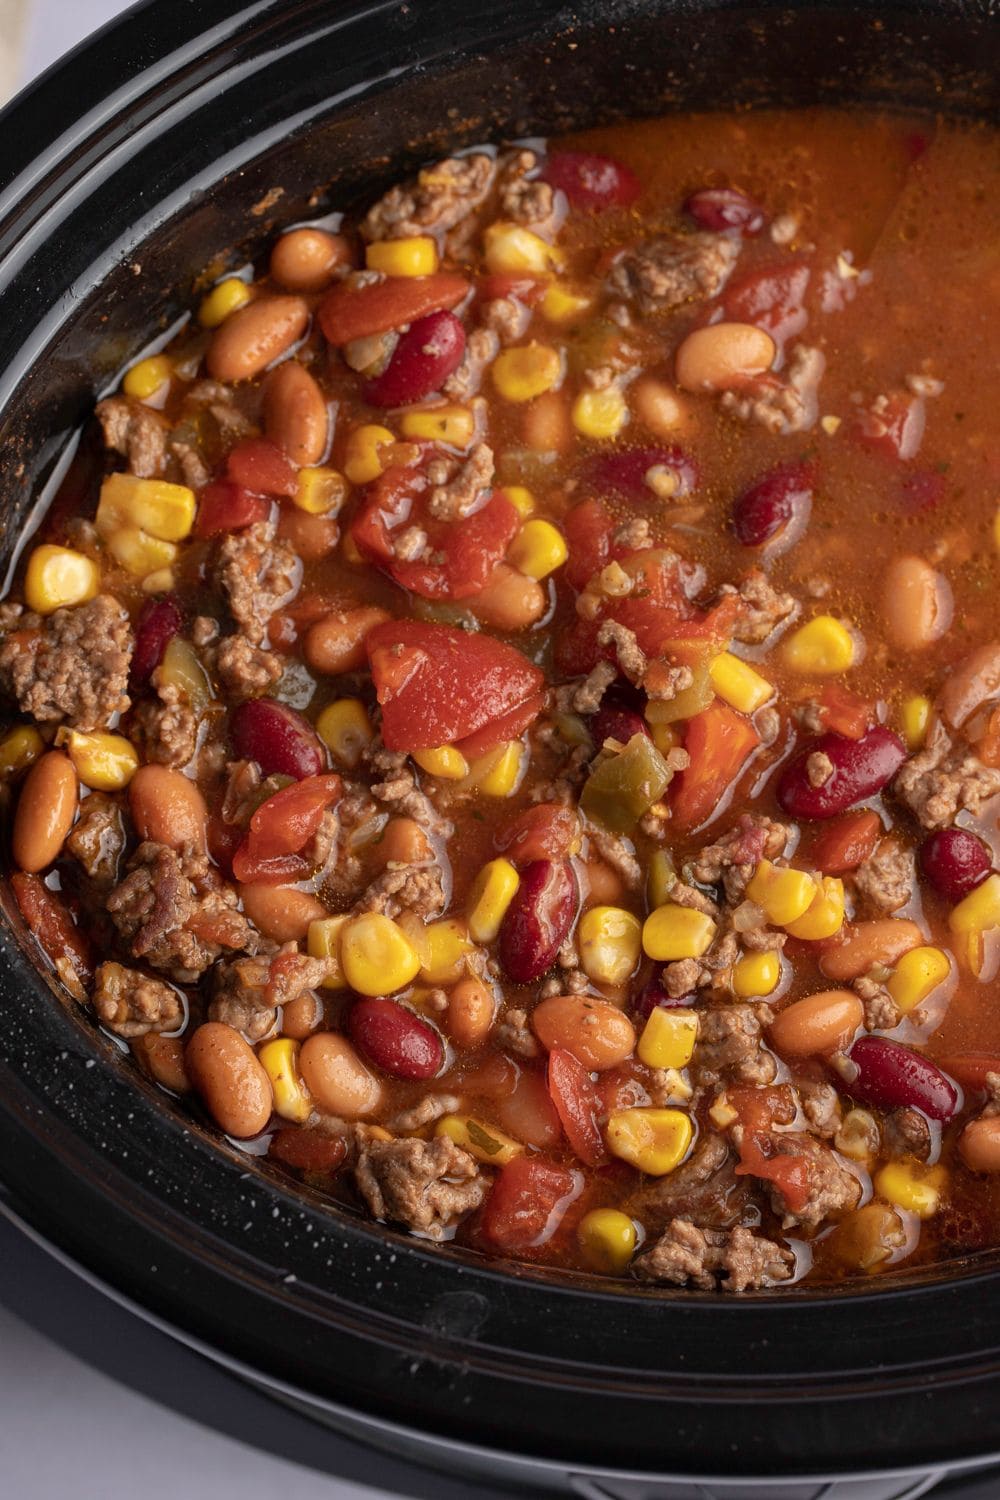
916,717
522,373
561,305
756,974
538,549
673,932
736,682
280,1060
825,916
916,975
160,582
664,736
823,647
323,941
58,578
346,730
668,1038
979,910
485,1142
607,1239
498,773
721,1113
416,255
654,1140
146,377
522,500
164,510
494,889
447,951
511,247
320,491
446,762
19,748
181,669
224,298
455,426
913,1186
600,415
138,552
660,878
783,894
363,459
376,955
610,941
104,762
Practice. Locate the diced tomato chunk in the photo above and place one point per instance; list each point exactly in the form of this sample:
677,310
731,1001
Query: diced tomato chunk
587,529
527,289
719,742
64,944
548,830
350,312
281,828
772,297
458,557
759,1109
893,425
438,685
224,506
845,712
846,842
260,465
528,1200
578,1105
509,726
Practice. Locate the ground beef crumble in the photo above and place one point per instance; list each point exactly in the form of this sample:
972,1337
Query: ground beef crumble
438,200
71,667
257,574
425,1185
136,432
244,670
132,1004
942,780
97,838
662,274
886,880
732,1260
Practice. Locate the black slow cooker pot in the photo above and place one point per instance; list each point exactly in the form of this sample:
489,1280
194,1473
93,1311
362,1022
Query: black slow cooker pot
180,138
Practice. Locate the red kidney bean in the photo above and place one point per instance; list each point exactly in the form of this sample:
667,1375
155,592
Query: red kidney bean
394,1039
280,740
615,721
777,505
538,919
427,353
653,996
719,209
228,507
158,623
891,1076
895,427
860,769
259,465
591,182
625,473
772,298
954,861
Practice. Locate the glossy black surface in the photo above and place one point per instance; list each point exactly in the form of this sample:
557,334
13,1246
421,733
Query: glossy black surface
132,168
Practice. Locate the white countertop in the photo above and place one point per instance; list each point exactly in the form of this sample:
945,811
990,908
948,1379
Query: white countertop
66,1430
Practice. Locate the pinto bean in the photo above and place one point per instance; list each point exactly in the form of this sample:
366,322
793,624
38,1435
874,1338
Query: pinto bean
302,1016
597,1033
281,912
296,416
660,407
232,1082
336,1077
723,356
311,537
605,886
973,682
162,1057
469,1017
817,1025
168,808
510,601
869,943
404,842
307,260
45,811
546,425
916,602
336,643
255,336
979,1144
